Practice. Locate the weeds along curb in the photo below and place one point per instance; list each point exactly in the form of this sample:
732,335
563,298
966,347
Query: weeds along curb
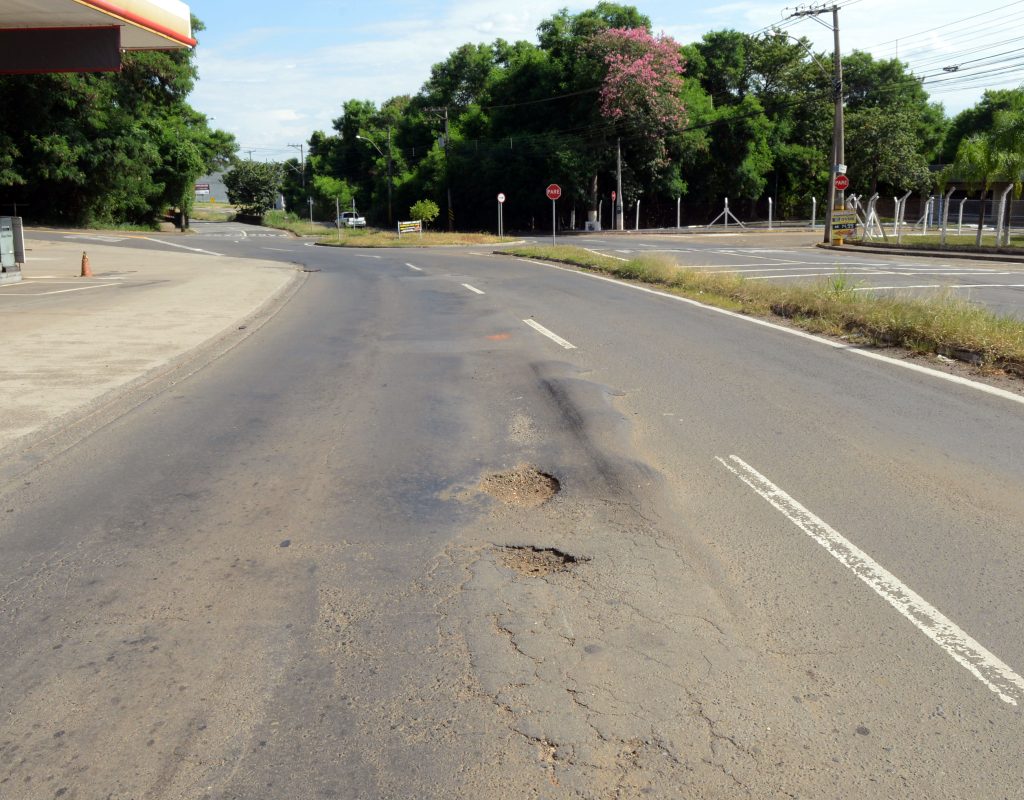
947,327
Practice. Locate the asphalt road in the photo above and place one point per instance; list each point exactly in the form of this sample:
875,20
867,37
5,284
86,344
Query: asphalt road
775,567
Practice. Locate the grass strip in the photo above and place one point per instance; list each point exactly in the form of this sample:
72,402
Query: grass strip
373,237
942,325
954,244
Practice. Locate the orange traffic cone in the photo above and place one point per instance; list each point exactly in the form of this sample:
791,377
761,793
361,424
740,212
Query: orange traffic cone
86,269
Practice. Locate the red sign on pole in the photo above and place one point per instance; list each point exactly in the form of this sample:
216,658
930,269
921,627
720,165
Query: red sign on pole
554,191
842,183
613,195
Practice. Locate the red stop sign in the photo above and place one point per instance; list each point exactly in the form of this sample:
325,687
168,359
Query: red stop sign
554,191
842,183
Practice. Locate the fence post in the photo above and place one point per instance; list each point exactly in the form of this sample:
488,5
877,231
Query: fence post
1002,212
945,215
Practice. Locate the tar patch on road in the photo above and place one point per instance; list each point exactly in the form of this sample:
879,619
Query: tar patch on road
522,487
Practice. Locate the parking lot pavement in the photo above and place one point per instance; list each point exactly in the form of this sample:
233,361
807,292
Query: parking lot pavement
68,342
793,258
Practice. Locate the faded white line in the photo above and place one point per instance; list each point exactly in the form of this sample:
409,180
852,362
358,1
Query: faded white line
364,255
605,255
58,291
944,286
552,336
181,246
418,269
278,249
472,288
934,373
963,649
798,275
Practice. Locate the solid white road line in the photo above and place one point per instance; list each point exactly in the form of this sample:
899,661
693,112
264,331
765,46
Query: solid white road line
278,249
472,288
181,246
985,666
552,336
943,376
410,266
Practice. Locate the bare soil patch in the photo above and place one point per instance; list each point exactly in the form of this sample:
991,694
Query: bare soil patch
522,487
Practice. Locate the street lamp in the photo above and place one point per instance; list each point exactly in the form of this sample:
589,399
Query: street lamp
388,157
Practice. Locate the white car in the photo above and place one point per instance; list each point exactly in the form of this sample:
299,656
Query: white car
351,219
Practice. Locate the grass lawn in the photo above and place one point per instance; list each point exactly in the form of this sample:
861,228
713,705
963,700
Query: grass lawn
213,212
373,237
942,325
953,242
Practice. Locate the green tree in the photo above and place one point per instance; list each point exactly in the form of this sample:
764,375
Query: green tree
112,147
254,186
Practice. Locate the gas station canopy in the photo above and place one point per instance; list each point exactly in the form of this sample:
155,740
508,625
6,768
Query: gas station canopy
87,35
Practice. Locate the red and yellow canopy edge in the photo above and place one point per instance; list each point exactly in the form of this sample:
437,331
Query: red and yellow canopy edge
133,18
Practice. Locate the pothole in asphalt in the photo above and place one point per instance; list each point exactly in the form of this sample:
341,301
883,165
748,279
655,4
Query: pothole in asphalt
523,487
538,561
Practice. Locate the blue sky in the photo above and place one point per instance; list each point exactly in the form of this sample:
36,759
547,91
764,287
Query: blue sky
276,71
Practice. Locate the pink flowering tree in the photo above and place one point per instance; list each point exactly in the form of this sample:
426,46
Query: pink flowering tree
641,92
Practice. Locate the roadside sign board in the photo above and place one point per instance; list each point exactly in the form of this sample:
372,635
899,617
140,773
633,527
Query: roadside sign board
554,191
412,226
842,183
844,221
501,197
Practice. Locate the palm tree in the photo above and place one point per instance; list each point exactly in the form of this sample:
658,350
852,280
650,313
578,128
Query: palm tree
997,155
975,165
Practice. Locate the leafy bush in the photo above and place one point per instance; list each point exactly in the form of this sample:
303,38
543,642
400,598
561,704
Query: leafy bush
426,210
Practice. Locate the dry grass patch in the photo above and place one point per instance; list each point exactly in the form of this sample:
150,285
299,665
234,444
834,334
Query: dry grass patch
372,237
942,325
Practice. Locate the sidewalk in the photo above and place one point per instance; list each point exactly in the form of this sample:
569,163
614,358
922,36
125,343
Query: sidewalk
69,343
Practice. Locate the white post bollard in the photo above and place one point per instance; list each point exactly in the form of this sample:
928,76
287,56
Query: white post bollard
814,213
636,226
679,218
727,213
769,213
960,218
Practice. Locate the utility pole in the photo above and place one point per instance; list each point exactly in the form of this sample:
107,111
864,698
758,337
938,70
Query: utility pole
620,217
447,169
836,198
390,162
302,160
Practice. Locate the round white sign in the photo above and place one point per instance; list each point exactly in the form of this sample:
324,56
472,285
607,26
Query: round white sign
501,197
